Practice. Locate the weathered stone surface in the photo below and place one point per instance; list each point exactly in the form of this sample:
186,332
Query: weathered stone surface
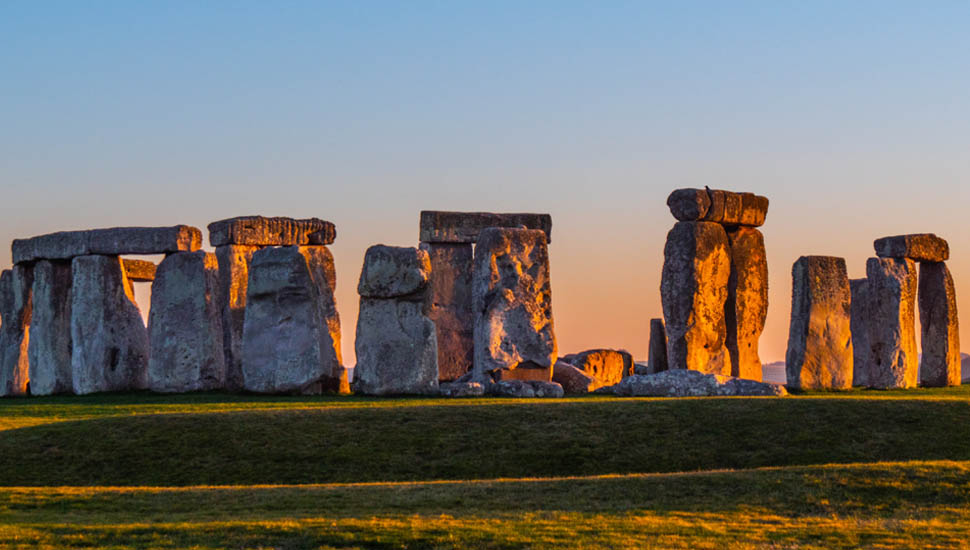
524,388
693,290
754,210
860,331
689,383
185,325
921,247
465,227
657,351
718,206
546,389
394,272
65,245
820,334
450,299
109,343
260,231
689,205
893,361
512,299
291,332
573,380
940,362
607,366
397,350
747,301
461,389
139,271
49,350
234,260
15,309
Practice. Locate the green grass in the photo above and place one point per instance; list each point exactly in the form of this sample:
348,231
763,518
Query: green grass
818,470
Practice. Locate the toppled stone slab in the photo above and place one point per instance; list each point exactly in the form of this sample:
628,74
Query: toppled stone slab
820,335
139,271
465,227
607,366
260,231
234,260
394,272
450,299
573,380
940,360
15,310
114,241
657,351
396,348
461,389
893,284
49,350
689,383
747,301
185,325
523,388
718,206
512,299
693,290
860,331
921,247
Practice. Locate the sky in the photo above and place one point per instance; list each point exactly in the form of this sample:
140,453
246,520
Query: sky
852,117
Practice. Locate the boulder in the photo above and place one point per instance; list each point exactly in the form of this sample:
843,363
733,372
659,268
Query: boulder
525,388
461,389
920,247
693,290
394,272
260,231
573,380
689,383
185,325
859,324
546,389
893,284
607,366
464,227
747,301
450,306
512,299
49,350
291,332
109,343
110,242
397,350
820,335
657,351
940,361
234,260
15,309
139,271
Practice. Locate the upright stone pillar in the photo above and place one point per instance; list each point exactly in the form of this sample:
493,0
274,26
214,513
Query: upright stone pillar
450,300
234,260
747,301
109,342
50,329
820,336
15,311
892,332
657,352
185,325
940,363
693,290
861,350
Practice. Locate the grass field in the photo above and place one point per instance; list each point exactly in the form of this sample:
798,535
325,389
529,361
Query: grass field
824,470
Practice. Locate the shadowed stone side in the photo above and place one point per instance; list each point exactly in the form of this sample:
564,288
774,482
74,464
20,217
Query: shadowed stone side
185,325
820,336
15,310
657,352
921,247
860,332
940,363
260,231
234,260
607,366
464,227
892,333
49,350
450,299
747,301
693,290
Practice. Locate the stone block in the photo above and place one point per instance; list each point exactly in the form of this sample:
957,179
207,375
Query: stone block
573,380
114,241
234,260
607,366
921,247
394,272
465,227
49,350
261,231
940,361
450,300
860,331
16,286
396,348
893,285
139,271
657,351
747,301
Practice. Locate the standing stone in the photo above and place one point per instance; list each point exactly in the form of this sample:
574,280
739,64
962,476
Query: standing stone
940,363
234,260
15,311
820,336
747,301
657,352
185,325
50,329
450,298
693,290
607,366
109,343
860,331
512,299
291,333
892,333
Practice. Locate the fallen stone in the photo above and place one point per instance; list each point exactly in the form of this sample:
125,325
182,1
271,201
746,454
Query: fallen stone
524,371
892,333
860,331
397,350
139,271
573,380
921,247
607,366
394,272
693,290
291,332
450,301
114,241
260,231
747,301
109,342
512,299
643,367
15,310
461,389
940,362
820,335
546,389
185,325
689,383
234,260
465,227
657,351
523,388
49,350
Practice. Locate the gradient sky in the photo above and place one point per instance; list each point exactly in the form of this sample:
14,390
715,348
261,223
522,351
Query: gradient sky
852,117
